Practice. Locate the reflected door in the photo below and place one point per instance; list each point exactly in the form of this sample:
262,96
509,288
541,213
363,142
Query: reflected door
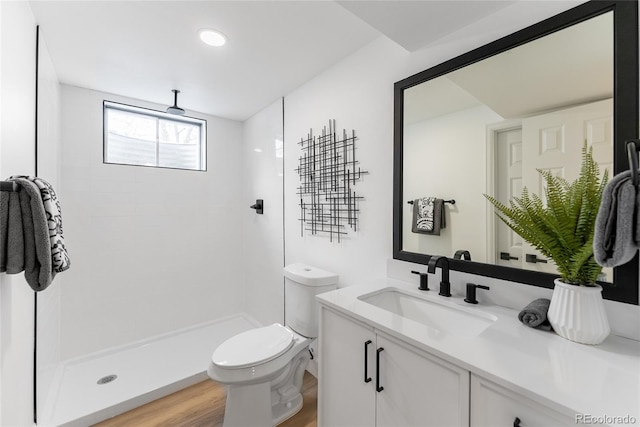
554,142
509,185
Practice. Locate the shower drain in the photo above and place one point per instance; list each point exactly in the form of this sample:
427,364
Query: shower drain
107,379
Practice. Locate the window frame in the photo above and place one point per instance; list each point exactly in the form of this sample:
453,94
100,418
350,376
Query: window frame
201,123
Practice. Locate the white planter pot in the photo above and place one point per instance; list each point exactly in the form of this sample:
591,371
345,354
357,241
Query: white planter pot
577,313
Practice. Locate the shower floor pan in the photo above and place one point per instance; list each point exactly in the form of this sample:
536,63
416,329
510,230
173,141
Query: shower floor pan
90,389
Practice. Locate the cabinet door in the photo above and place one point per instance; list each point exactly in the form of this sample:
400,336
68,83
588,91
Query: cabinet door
493,405
419,389
344,397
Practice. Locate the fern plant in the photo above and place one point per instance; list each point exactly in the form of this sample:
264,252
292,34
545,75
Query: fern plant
562,229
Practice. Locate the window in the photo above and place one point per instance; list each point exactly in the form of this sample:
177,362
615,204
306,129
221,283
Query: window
141,137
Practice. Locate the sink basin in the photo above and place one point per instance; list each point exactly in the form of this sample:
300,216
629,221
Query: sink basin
444,317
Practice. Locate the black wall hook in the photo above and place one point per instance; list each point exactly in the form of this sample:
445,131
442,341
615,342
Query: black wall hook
633,146
259,206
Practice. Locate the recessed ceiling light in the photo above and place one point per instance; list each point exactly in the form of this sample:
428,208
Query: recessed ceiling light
212,37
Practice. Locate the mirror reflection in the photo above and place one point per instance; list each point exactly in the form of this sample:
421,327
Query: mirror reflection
487,127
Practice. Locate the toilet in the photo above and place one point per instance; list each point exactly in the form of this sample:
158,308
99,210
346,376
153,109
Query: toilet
263,368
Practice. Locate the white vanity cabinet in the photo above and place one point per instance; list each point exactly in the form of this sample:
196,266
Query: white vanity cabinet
344,397
368,378
418,388
381,368
493,405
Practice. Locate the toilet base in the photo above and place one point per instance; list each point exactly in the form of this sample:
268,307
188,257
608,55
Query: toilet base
283,411
246,405
269,402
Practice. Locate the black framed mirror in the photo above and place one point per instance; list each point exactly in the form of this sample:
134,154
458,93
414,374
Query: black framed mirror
606,33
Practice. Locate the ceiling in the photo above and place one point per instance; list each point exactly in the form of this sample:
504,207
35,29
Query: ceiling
143,49
569,67
414,24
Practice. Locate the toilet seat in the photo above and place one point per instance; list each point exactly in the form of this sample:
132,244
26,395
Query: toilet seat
253,347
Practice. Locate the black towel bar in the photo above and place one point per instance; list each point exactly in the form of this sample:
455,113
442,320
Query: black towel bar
9,186
633,146
452,201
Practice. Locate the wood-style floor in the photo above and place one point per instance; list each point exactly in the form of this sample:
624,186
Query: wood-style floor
203,405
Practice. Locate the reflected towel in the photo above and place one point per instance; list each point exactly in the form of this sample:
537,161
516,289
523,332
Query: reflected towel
616,234
534,315
428,216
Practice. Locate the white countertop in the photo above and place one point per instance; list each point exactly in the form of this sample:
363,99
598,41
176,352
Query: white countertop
601,380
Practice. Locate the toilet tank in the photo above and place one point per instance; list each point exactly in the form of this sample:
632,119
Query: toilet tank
301,285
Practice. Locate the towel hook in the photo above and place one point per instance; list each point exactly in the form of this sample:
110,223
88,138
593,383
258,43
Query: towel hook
258,206
633,146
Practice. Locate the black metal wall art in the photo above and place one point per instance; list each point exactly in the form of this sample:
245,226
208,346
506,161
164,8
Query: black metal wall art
328,172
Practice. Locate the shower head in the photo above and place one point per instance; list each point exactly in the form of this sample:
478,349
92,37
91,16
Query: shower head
174,109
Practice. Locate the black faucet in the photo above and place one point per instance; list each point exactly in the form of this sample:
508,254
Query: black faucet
462,254
471,292
445,286
424,280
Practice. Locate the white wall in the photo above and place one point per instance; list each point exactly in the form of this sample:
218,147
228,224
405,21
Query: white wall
263,251
358,93
17,140
154,248
456,154
48,308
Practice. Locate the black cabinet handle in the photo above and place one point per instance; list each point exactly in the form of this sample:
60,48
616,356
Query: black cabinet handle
378,388
367,378
532,258
516,422
506,256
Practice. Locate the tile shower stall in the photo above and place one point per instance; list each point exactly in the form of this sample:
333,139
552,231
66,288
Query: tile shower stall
166,264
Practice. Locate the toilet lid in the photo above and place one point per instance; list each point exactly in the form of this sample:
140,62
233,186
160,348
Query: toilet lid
253,347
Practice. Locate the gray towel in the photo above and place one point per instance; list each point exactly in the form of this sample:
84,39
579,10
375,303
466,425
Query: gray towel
37,249
617,233
59,256
11,235
534,315
428,216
